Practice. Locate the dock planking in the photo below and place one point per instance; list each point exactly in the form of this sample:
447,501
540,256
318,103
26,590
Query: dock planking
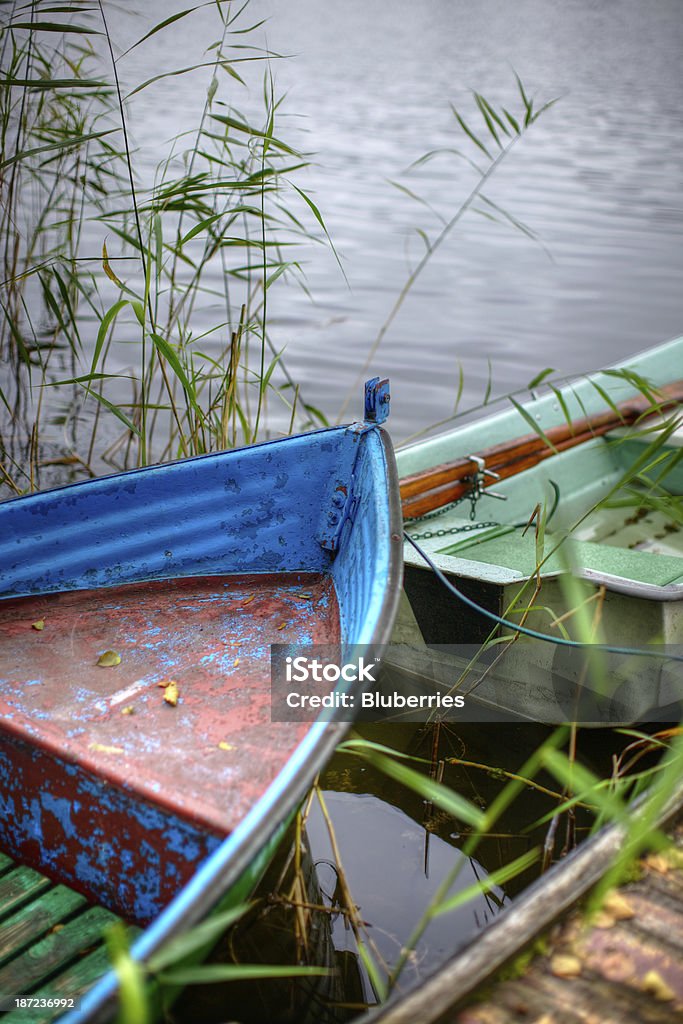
547,958
51,941
624,966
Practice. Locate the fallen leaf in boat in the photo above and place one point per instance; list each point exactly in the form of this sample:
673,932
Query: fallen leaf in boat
128,710
235,662
563,965
102,748
40,624
249,600
283,625
171,694
225,746
108,659
654,984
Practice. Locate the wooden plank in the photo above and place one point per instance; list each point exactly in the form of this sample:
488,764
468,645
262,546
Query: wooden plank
670,886
657,916
70,984
35,919
18,887
58,949
48,940
6,863
624,966
575,1001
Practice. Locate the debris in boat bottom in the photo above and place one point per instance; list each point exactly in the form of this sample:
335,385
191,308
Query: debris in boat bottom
170,692
40,624
108,659
170,688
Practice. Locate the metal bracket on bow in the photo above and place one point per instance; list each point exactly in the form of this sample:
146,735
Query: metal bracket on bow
477,483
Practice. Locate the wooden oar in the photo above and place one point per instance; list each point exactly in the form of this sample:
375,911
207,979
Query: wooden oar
437,486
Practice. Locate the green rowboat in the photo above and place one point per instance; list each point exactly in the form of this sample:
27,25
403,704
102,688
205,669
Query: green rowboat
563,515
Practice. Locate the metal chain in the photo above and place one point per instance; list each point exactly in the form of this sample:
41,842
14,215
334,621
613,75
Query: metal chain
467,528
472,496
444,508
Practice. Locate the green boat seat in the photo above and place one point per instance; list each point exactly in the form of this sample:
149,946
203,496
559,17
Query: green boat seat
517,551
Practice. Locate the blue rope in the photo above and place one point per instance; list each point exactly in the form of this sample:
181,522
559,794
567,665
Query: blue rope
557,640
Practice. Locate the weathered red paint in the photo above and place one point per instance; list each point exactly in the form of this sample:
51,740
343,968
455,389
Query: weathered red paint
64,719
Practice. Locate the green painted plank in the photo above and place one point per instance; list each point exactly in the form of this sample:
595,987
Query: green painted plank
71,984
5,863
19,887
36,965
519,552
35,919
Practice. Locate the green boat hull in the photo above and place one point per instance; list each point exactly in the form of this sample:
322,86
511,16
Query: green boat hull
607,565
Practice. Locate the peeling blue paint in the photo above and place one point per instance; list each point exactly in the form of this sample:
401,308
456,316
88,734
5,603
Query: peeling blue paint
33,822
61,808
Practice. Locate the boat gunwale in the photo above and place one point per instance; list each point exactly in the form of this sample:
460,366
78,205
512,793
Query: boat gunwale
428,453
169,463
570,383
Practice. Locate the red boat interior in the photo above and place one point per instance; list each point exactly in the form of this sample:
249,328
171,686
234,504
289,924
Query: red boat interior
160,693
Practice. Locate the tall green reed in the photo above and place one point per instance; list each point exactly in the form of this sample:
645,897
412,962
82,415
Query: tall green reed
147,991
104,273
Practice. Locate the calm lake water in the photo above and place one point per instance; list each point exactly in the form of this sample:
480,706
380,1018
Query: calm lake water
369,87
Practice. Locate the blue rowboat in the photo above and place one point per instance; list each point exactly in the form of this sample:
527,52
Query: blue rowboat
139,762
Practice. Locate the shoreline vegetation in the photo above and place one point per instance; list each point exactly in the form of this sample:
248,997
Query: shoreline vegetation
104,274
103,372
